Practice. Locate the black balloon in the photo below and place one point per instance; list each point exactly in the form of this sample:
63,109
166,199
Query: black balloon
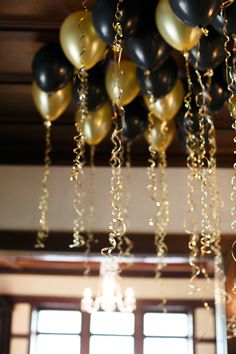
216,96
160,81
195,13
230,15
96,89
50,68
147,48
211,51
104,14
136,120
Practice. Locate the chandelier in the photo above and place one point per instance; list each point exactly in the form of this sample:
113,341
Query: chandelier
109,296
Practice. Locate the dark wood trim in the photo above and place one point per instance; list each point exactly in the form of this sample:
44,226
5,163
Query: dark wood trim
17,255
85,334
5,324
17,24
69,303
20,336
59,242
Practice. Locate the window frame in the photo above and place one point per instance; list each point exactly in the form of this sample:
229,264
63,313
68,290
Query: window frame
143,306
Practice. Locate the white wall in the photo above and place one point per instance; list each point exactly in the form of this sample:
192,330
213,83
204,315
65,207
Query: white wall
20,187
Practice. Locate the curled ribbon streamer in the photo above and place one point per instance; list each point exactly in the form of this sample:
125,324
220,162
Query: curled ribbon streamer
229,69
232,251
207,239
117,225
77,174
229,78
192,179
215,205
90,235
129,244
231,327
43,199
227,3
159,196
194,239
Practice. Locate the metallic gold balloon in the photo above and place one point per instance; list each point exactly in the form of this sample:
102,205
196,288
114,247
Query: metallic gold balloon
165,108
158,140
79,40
52,105
176,33
97,124
127,82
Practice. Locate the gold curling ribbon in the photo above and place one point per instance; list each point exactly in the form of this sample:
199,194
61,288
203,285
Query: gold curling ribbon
77,174
207,238
129,244
229,78
90,234
159,195
229,69
117,226
43,199
192,182
231,327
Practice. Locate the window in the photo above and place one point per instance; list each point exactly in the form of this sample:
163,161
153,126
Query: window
166,331
111,330
147,331
56,331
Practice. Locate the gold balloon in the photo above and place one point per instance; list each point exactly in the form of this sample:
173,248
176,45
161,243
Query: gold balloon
127,82
159,140
165,108
176,33
79,40
51,105
97,124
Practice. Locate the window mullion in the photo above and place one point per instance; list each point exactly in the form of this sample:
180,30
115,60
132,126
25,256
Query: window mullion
138,333
85,333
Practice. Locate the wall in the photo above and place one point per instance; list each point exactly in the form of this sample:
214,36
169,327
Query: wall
20,187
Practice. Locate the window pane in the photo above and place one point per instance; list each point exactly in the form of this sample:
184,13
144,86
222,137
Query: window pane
111,344
165,346
48,344
112,323
51,321
166,324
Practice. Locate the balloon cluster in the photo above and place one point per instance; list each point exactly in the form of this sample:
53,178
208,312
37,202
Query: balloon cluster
152,32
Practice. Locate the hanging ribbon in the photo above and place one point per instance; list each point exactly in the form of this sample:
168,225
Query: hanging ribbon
43,199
